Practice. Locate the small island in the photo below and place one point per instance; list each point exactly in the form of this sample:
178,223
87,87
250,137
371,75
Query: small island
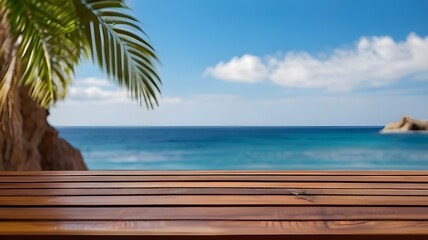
406,124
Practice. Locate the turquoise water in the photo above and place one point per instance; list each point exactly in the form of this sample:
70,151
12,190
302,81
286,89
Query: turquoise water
180,148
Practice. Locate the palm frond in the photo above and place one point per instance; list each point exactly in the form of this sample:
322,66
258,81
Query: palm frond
118,45
49,48
8,56
51,36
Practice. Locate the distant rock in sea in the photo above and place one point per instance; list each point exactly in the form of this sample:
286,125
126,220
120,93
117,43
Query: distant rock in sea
406,124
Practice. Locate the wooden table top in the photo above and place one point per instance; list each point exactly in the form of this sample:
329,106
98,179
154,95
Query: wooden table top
214,205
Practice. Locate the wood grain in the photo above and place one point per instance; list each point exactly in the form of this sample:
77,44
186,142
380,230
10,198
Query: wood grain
222,237
207,191
218,228
216,213
211,178
227,205
316,185
219,200
215,173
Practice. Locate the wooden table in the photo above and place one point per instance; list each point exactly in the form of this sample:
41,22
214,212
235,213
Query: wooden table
214,205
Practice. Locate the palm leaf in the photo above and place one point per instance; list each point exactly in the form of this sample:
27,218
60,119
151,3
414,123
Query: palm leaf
7,56
46,33
51,36
116,43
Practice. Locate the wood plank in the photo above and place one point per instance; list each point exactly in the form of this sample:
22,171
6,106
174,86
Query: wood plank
217,228
222,237
215,213
207,191
214,172
215,204
317,185
189,200
226,178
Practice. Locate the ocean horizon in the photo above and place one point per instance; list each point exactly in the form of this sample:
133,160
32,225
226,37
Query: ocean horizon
247,148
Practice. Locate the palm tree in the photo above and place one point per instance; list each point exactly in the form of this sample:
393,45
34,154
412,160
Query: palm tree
42,42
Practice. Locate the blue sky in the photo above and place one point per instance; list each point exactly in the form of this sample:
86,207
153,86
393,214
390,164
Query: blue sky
252,62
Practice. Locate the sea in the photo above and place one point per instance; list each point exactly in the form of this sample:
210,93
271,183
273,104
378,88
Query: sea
248,148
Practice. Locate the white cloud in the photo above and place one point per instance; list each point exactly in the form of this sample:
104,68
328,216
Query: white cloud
230,110
96,94
95,89
115,95
373,62
100,90
248,68
94,82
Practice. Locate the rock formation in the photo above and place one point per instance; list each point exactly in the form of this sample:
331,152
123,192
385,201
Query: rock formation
406,124
28,142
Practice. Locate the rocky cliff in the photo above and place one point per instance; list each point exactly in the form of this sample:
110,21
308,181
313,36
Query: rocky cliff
406,124
28,142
